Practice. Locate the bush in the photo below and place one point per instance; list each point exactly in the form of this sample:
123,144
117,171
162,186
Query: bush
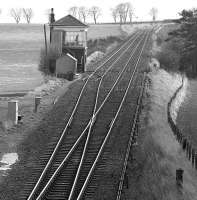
69,76
47,62
169,55
169,59
101,44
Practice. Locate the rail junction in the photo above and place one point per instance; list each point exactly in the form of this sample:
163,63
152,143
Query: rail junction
89,159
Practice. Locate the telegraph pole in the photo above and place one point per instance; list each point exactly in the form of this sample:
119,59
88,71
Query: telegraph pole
45,39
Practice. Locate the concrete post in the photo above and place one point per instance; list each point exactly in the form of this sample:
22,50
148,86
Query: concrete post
13,111
37,103
179,177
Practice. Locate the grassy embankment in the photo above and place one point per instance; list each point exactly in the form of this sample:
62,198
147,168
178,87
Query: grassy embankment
152,168
166,50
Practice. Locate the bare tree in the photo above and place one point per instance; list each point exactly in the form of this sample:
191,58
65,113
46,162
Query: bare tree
126,7
73,11
120,11
124,10
95,12
153,13
83,13
131,13
27,14
114,13
16,14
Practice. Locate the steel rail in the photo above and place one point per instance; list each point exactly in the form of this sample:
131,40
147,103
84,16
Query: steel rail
71,118
121,182
111,126
78,140
72,149
91,125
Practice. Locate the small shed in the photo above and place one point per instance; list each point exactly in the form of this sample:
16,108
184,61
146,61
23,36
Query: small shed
66,66
69,35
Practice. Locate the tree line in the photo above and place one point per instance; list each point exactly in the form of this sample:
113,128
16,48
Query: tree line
82,12
121,13
186,39
18,13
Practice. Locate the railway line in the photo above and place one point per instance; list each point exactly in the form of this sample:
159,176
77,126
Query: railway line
72,168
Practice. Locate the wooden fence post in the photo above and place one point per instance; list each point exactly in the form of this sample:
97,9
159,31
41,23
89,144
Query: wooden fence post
184,144
181,138
187,148
196,161
190,151
193,157
126,181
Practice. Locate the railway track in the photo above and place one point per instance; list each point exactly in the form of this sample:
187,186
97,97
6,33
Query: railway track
74,158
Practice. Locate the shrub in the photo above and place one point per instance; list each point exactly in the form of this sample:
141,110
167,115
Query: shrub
101,44
47,62
169,55
69,76
169,59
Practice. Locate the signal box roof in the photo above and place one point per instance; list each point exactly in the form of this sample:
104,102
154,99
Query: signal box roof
69,21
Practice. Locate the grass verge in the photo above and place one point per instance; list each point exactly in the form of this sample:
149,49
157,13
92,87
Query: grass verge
153,163
35,140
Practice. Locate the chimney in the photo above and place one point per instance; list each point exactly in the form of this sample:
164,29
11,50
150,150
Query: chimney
51,16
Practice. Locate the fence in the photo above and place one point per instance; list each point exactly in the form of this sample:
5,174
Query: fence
191,152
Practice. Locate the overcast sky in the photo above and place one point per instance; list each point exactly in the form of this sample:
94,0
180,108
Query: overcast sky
167,8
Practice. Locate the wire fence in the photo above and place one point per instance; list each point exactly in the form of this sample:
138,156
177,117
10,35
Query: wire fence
191,152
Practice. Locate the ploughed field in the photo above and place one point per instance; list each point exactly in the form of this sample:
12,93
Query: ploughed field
104,30
19,55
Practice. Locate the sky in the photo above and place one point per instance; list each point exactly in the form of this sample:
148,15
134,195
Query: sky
166,8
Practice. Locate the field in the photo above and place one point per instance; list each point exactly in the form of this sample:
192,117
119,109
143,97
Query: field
20,49
19,55
104,30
